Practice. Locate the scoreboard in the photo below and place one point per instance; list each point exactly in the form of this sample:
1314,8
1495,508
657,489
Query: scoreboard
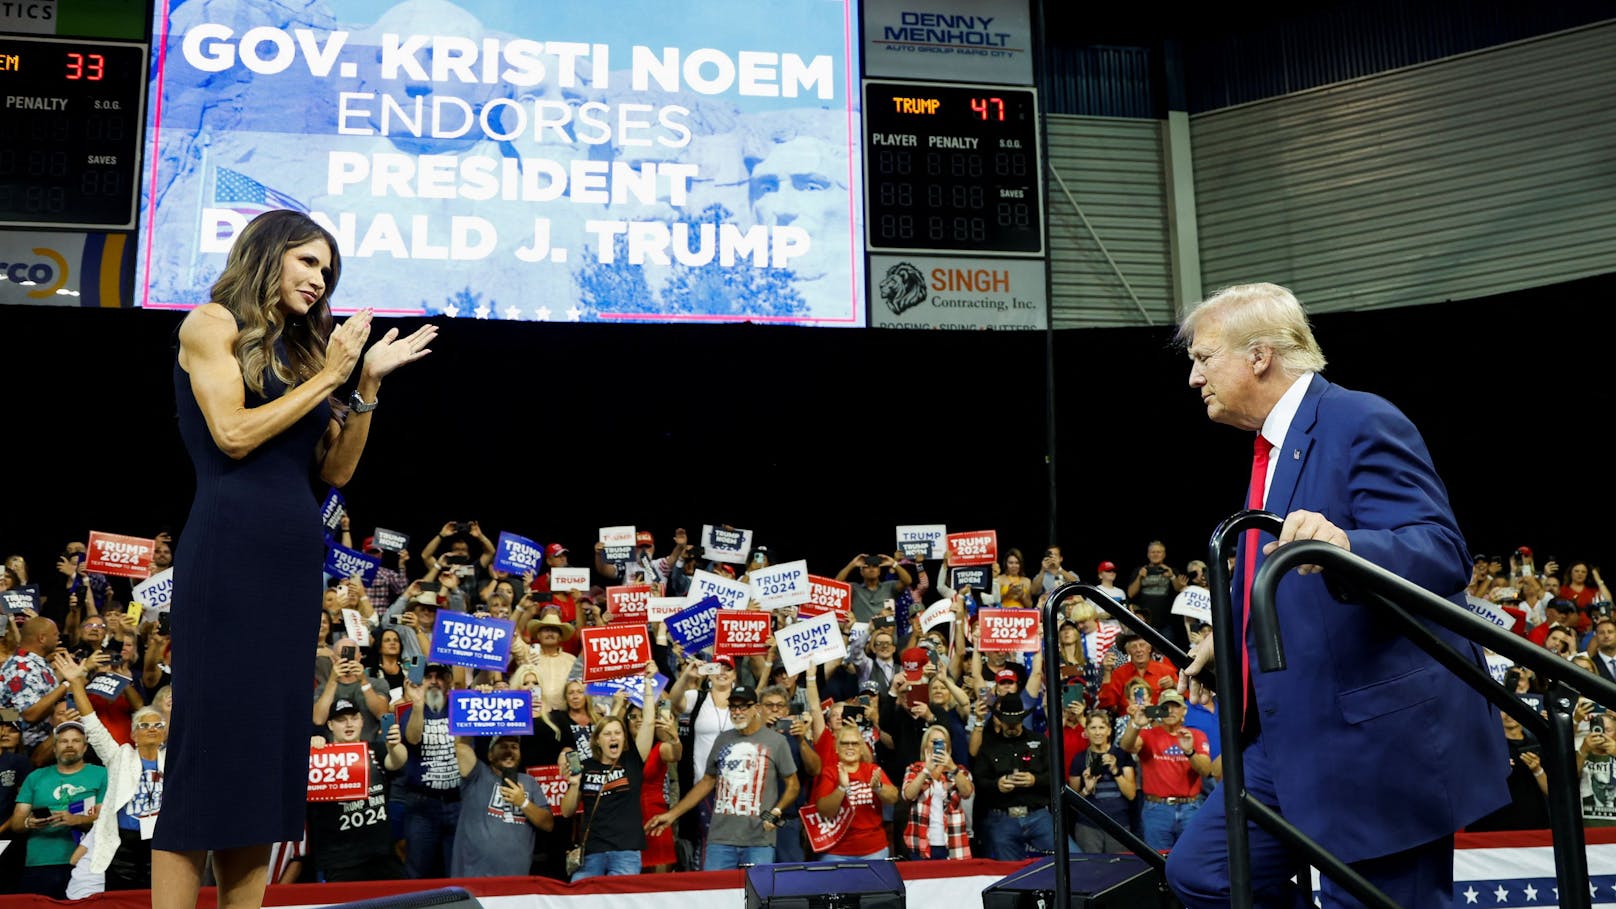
71,127
952,168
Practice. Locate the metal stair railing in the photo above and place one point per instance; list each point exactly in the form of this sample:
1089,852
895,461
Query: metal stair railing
1411,608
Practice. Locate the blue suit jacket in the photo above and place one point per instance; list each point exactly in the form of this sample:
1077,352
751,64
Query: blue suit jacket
1375,747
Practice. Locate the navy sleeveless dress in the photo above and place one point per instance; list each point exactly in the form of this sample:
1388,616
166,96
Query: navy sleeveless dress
247,589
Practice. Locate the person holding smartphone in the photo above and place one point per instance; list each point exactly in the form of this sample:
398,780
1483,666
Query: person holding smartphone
935,786
1105,775
55,803
352,840
347,679
503,809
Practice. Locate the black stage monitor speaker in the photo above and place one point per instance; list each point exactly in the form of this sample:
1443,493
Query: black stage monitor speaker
441,898
824,885
1097,882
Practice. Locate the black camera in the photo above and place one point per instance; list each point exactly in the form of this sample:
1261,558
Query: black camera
1512,679
1156,712
1096,765
164,626
462,527
1603,609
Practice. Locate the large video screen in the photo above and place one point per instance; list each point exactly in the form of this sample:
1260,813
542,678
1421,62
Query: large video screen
535,160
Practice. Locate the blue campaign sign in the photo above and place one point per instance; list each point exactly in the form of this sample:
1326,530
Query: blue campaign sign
491,712
977,577
517,554
466,640
18,599
694,626
331,512
342,562
633,687
108,684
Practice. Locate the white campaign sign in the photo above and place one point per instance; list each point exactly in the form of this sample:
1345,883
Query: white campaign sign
934,535
619,541
1490,611
810,642
357,629
731,594
569,579
657,609
1195,602
725,545
156,592
936,614
783,585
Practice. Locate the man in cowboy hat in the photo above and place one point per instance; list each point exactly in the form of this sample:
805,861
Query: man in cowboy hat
554,664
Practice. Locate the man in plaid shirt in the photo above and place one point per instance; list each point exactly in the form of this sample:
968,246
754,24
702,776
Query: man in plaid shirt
389,583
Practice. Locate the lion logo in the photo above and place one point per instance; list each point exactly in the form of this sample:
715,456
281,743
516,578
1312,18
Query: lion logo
903,288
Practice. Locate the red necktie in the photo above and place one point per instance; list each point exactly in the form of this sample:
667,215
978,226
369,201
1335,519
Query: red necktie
1254,499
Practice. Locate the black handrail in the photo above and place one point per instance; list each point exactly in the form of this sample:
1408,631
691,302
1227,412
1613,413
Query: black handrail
1227,643
1059,792
1375,586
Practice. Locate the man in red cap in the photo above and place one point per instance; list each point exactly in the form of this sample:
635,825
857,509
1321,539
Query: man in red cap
565,602
1107,574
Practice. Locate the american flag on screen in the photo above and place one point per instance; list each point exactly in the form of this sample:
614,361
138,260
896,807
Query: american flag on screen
242,194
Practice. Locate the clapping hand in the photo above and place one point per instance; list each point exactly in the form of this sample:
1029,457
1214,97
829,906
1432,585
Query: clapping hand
347,340
391,351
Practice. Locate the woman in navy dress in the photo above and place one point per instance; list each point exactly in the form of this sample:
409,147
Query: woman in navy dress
256,370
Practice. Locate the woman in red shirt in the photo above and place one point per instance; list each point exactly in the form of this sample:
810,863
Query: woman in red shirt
1577,589
848,794
658,855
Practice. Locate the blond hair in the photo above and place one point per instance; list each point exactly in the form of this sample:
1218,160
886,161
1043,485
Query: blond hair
1259,315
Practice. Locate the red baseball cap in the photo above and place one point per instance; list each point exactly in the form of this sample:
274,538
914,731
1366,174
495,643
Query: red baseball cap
1107,566
1007,675
369,544
644,538
554,549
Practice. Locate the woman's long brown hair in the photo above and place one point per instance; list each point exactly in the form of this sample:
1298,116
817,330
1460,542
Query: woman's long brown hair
249,287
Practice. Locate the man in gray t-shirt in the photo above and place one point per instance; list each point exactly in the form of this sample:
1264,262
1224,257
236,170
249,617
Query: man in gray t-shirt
870,593
754,776
500,806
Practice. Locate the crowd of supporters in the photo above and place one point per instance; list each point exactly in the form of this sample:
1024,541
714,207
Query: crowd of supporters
917,745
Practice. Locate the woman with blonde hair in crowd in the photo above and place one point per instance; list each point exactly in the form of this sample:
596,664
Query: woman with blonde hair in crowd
527,678
937,789
849,793
574,723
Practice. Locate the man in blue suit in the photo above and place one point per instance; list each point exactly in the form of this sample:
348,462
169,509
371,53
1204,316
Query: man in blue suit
1363,742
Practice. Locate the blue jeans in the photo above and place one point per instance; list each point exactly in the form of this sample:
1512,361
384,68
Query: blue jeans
601,864
1164,824
724,857
880,855
429,828
1012,839
788,842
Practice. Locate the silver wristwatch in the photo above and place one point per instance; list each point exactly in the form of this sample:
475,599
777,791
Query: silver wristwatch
358,405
